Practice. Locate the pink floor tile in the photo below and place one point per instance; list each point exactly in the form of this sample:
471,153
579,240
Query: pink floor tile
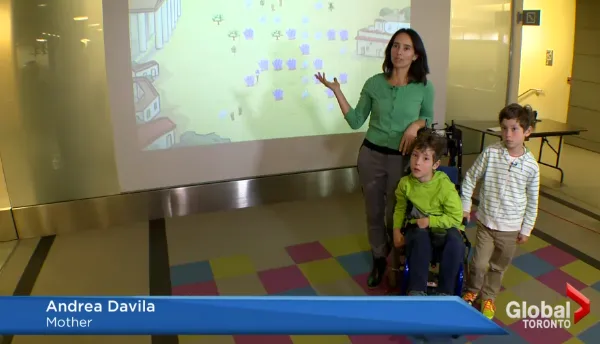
308,252
196,289
558,279
540,336
283,279
262,339
555,256
382,339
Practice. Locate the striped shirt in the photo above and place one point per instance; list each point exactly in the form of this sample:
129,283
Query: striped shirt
509,196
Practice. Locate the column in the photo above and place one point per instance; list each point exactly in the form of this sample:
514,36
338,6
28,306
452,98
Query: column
173,14
178,8
169,10
158,28
142,37
164,14
150,26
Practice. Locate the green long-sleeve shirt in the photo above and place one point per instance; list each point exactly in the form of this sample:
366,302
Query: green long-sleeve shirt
436,199
392,109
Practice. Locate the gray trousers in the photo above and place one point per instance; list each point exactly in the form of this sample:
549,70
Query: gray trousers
379,175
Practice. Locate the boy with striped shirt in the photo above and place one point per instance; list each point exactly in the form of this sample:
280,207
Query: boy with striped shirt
508,205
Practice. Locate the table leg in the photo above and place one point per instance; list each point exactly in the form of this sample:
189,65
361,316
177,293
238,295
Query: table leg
556,151
482,143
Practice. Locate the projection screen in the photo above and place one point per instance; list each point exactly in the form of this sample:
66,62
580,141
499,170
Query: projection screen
206,91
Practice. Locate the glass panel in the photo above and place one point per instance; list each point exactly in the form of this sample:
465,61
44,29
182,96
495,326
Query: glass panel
60,144
478,72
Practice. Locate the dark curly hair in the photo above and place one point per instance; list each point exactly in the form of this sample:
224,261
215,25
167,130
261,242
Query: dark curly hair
522,114
429,139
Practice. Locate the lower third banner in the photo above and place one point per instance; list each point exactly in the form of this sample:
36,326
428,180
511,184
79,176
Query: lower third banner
242,315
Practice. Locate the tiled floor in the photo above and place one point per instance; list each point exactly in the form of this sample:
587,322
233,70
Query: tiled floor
295,248
339,265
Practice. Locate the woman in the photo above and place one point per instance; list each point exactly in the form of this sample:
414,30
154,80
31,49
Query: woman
400,102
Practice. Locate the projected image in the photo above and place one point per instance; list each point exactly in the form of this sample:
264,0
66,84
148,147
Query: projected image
210,72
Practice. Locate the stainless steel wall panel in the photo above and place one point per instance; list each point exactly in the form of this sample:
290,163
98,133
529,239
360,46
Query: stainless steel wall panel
104,212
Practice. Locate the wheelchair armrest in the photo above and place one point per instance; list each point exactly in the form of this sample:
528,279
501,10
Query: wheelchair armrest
466,240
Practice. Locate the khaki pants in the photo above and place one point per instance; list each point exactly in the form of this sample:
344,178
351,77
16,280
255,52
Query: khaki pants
493,254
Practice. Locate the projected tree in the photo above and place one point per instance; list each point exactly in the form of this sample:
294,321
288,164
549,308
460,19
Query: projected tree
233,34
406,13
218,19
385,12
277,34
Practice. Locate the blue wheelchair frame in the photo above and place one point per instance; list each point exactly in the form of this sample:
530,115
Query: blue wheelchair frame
453,174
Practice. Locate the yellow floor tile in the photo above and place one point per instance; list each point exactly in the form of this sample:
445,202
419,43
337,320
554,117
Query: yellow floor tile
345,287
583,325
206,340
323,271
514,276
501,301
533,244
346,245
267,259
232,266
583,272
594,296
320,339
246,285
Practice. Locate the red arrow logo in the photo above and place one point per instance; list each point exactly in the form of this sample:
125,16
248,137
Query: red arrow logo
581,300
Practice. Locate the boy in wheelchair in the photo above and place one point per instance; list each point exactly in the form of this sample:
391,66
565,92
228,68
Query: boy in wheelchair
428,218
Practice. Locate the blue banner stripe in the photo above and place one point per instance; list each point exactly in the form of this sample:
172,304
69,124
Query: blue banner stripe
316,315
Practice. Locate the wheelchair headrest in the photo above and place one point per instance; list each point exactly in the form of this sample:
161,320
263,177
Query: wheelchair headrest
451,172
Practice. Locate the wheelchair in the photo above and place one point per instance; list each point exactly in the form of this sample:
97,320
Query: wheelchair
454,172
437,245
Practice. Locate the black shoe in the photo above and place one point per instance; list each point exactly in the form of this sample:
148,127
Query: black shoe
377,273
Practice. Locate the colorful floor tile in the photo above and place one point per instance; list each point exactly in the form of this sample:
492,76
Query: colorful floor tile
340,266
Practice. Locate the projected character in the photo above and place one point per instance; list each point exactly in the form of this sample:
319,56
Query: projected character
330,6
371,41
383,157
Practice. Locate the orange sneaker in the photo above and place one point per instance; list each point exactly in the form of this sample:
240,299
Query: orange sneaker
488,308
469,297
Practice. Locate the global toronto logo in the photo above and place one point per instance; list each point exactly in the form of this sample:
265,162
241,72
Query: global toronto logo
548,316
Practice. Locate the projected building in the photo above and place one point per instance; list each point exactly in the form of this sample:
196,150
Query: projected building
147,100
151,24
156,134
372,41
148,69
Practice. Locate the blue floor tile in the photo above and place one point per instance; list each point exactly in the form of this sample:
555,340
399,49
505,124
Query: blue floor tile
532,265
596,286
591,335
356,263
191,273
